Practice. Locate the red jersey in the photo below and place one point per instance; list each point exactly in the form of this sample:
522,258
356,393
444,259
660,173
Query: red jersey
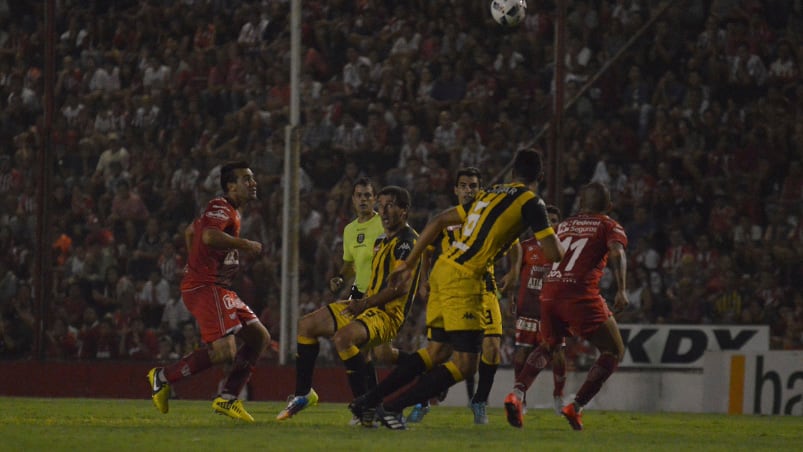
207,265
534,267
585,238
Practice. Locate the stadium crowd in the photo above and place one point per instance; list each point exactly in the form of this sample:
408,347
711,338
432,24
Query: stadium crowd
697,130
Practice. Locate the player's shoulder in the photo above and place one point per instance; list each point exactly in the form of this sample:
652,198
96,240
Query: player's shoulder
407,234
219,209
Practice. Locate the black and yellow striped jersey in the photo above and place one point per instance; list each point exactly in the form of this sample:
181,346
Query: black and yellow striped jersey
387,253
491,224
449,235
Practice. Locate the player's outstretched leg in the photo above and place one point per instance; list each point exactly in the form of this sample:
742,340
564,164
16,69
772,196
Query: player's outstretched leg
160,389
232,408
298,403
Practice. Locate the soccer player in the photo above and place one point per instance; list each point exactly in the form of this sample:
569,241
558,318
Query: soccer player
359,237
495,219
361,323
466,185
571,302
214,248
528,313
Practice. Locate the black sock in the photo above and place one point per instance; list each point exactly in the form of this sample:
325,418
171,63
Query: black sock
305,366
407,368
427,387
371,379
355,373
487,373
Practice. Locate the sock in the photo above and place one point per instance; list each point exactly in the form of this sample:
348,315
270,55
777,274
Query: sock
371,379
355,370
409,366
470,386
517,367
605,365
427,387
306,354
558,376
195,362
487,373
537,360
241,371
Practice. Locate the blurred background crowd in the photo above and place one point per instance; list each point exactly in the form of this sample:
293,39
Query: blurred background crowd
697,130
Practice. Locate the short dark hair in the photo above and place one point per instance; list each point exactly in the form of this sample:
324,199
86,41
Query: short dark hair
468,171
365,182
595,197
227,175
400,195
528,165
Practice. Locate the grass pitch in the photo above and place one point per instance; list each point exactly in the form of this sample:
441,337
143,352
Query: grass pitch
28,424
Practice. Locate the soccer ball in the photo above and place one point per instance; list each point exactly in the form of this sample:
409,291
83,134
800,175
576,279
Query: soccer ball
508,12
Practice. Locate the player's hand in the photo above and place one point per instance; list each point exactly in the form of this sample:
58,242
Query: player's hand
335,284
620,302
252,247
509,281
355,307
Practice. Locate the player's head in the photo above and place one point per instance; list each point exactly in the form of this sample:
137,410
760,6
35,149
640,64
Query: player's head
595,198
466,184
553,214
237,181
363,196
393,205
528,166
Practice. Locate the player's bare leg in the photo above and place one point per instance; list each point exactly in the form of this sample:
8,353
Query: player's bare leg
611,347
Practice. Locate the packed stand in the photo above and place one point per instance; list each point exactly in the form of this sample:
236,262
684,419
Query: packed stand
697,130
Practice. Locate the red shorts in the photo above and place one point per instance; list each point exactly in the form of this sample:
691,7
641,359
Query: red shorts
218,311
572,317
528,332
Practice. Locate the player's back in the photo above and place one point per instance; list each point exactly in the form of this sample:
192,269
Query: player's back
206,265
490,224
585,237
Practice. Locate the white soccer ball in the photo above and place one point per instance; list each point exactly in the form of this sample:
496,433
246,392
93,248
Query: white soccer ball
508,12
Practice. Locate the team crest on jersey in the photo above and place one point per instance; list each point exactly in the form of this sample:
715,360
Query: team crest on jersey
360,237
229,302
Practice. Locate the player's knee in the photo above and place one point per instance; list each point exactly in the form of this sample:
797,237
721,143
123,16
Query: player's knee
491,352
342,340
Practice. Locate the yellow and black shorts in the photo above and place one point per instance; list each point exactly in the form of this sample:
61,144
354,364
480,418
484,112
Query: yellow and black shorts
381,326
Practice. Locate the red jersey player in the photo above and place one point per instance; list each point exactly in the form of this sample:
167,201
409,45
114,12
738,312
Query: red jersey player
214,247
571,302
528,312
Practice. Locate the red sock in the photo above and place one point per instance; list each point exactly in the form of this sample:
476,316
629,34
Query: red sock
517,366
605,365
191,364
536,361
240,371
